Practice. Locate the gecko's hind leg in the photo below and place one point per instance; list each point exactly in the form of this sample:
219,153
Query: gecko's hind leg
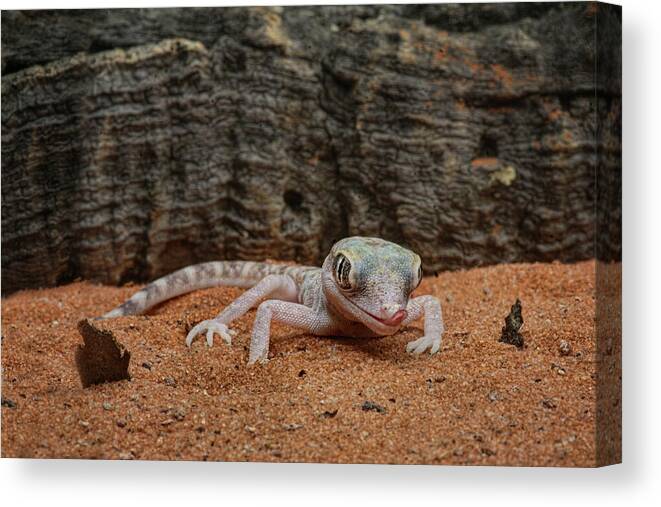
272,286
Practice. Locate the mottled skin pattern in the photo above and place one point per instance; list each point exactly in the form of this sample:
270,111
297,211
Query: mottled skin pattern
362,290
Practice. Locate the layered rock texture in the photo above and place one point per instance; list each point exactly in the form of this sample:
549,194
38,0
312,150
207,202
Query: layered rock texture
135,142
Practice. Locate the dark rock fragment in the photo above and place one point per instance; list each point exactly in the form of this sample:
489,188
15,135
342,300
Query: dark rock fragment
101,358
513,323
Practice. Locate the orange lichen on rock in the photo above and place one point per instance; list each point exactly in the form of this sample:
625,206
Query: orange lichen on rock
503,75
484,162
441,53
475,67
555,114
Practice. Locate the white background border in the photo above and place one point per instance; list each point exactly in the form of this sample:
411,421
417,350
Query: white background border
101,483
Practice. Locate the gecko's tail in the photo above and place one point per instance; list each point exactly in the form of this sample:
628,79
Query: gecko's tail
200,276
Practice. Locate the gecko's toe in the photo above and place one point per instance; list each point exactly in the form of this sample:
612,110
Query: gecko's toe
210,328
192,334
423,343
258,355
258,359
411,346
422,346
210,337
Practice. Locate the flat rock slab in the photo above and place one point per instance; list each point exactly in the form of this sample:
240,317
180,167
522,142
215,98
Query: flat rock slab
139,141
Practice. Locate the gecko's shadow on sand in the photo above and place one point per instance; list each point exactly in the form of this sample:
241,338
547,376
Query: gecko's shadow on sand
392,347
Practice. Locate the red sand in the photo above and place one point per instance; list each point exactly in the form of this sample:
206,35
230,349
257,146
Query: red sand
476,402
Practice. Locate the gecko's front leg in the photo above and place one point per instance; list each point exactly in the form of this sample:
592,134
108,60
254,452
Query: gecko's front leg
292,314
431,308
272,286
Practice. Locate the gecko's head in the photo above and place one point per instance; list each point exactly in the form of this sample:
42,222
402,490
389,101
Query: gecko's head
370,280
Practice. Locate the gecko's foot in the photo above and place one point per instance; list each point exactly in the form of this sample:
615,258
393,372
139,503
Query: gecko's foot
260,360
433,343
260,357
210,327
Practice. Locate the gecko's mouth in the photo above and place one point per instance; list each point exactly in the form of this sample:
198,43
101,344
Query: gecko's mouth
391,322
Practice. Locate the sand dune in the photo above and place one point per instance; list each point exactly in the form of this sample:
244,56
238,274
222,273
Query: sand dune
318,399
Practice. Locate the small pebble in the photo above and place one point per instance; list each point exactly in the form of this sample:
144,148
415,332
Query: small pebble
564,348
548,403
121,423
6,402
558,369
370,405
146,365
107,405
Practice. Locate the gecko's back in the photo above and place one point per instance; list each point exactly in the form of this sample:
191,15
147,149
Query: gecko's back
242,274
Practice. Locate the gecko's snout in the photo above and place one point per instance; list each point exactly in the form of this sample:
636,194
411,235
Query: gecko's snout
396,318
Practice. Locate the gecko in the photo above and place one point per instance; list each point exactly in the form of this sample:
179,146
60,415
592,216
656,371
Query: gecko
362,290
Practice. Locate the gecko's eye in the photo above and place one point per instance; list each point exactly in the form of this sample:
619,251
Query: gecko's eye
419,278
342,269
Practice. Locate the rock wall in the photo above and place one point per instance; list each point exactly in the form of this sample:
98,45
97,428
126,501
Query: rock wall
138,141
